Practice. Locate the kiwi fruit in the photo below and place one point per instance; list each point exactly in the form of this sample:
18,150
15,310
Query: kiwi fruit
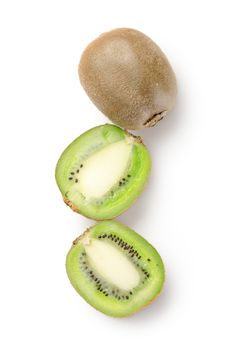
103,171
115,269
128,78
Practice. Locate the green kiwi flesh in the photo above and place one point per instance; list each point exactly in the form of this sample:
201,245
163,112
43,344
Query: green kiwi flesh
103,171
128,78
115,269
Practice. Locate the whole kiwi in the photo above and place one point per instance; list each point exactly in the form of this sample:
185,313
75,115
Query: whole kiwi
128,78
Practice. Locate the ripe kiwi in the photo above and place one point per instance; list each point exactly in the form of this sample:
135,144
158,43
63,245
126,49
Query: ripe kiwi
115,269
128,77
103,171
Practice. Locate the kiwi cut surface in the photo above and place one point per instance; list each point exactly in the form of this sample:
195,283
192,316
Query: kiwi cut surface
115,269
103,171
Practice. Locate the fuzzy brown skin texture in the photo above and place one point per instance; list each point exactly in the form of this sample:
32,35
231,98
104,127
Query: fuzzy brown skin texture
128,78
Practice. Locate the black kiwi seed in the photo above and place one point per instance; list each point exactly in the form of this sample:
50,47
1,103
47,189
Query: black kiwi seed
120,183
70,178
81,166
129,175
148,259
72,173
76,180
77,171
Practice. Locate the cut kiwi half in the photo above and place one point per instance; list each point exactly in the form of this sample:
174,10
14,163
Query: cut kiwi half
103,171
115,269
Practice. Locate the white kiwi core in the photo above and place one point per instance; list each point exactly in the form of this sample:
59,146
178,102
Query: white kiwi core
103,169
112,264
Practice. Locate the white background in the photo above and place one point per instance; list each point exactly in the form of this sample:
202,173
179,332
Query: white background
186,211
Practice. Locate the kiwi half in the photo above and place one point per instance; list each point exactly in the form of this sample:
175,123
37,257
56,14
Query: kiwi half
103,171
115,269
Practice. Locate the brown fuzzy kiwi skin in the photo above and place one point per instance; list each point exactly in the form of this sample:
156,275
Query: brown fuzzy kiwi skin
128,78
